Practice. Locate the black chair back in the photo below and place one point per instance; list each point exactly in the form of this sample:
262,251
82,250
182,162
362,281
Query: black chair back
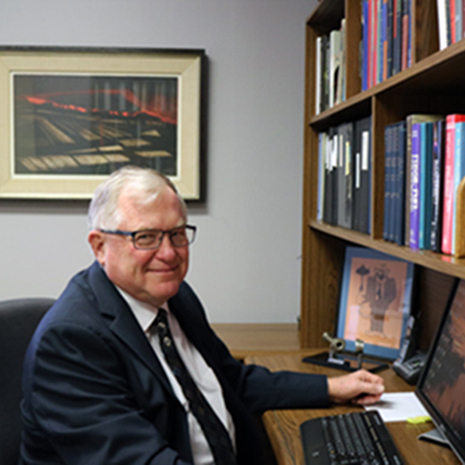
18,320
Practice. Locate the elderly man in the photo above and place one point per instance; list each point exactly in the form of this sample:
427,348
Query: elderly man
125,369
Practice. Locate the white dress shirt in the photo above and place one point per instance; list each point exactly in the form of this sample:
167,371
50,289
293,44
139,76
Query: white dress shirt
200,372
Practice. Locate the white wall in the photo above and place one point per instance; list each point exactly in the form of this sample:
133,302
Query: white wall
245,264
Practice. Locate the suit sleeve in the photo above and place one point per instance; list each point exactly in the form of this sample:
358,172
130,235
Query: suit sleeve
262,389
259,388
79,395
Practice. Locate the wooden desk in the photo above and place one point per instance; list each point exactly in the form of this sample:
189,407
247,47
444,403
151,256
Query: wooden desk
244,339
282,426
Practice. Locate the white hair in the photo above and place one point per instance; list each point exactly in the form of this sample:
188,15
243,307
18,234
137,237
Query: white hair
144,182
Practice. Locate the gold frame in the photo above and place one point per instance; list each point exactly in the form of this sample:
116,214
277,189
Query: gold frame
187,65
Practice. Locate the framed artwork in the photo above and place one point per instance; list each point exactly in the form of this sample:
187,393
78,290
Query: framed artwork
375,301
71,116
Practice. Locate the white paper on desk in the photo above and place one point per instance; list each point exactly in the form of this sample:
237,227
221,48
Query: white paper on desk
398,406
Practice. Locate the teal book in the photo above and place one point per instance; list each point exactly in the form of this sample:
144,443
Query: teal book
459,170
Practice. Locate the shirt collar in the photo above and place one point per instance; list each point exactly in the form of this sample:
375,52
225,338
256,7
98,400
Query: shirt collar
143,312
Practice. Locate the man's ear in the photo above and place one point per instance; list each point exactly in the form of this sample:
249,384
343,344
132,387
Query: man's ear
97,242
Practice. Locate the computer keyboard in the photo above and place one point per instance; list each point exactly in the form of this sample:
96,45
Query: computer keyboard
357,438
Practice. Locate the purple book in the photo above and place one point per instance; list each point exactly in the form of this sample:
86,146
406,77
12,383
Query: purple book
415,186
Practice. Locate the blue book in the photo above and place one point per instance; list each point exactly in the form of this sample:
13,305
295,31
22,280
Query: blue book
459,170
414,187
399,194
426,163
387,182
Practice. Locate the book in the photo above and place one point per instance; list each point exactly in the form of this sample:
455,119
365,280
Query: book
322,143
459,172
443,24
437,185
361,211
334,65
405,33
448,199
415,186
426,164
399,181
318,75
365,44
397,37
388,177
346,131
330,184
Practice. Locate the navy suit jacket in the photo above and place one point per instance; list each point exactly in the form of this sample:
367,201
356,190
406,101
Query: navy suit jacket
94,392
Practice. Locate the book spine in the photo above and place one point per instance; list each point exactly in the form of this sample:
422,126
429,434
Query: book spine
401,151
452,20
458,20
415,187
442,23
436,195
405,34
375,39
318,75
365,44
394,187
422,195
387,181
446,245
459,172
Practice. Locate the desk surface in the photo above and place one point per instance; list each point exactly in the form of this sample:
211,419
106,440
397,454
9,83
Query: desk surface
245,339
282,426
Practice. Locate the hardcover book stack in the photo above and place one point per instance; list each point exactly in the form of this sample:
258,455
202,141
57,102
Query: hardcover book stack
386,39
424,165
344,178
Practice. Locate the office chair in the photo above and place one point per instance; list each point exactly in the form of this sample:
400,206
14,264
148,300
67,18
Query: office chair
18,320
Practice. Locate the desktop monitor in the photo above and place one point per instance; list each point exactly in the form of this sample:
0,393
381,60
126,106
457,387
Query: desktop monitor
441,388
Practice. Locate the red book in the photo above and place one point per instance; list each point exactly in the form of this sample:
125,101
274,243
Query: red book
448,200
370,45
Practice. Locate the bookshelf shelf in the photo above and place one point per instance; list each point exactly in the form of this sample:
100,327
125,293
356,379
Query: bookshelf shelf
425,258
430,85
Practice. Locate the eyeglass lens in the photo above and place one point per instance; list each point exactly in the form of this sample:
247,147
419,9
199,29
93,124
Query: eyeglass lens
152,239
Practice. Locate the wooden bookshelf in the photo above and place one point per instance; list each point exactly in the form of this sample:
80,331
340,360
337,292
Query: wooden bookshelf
432,84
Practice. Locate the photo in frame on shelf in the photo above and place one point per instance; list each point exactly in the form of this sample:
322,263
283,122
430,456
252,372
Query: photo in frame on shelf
76,114
375,301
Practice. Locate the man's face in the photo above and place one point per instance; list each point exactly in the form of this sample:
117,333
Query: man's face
152,276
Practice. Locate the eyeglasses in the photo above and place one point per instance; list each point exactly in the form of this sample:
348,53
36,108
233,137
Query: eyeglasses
151,239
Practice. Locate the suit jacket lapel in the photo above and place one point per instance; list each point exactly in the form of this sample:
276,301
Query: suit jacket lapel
122,321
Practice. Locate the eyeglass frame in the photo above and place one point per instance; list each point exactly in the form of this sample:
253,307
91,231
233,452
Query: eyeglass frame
132,235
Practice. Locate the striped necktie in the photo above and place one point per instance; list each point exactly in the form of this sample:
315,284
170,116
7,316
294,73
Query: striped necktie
216,434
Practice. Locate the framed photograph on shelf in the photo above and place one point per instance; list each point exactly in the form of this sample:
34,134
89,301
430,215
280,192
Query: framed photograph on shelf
71,116
375,301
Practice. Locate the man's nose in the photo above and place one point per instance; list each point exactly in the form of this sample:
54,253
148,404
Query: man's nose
166,248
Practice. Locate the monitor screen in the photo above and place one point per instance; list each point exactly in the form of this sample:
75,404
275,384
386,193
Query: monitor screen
441,387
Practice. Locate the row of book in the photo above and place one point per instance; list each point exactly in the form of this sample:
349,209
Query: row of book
385,50
386,39
330,69
451,21
344,177
424,165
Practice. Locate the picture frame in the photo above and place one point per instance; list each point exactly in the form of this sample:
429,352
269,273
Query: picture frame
72,115
375,301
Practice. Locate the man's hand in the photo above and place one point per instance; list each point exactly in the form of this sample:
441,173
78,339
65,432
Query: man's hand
360,387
